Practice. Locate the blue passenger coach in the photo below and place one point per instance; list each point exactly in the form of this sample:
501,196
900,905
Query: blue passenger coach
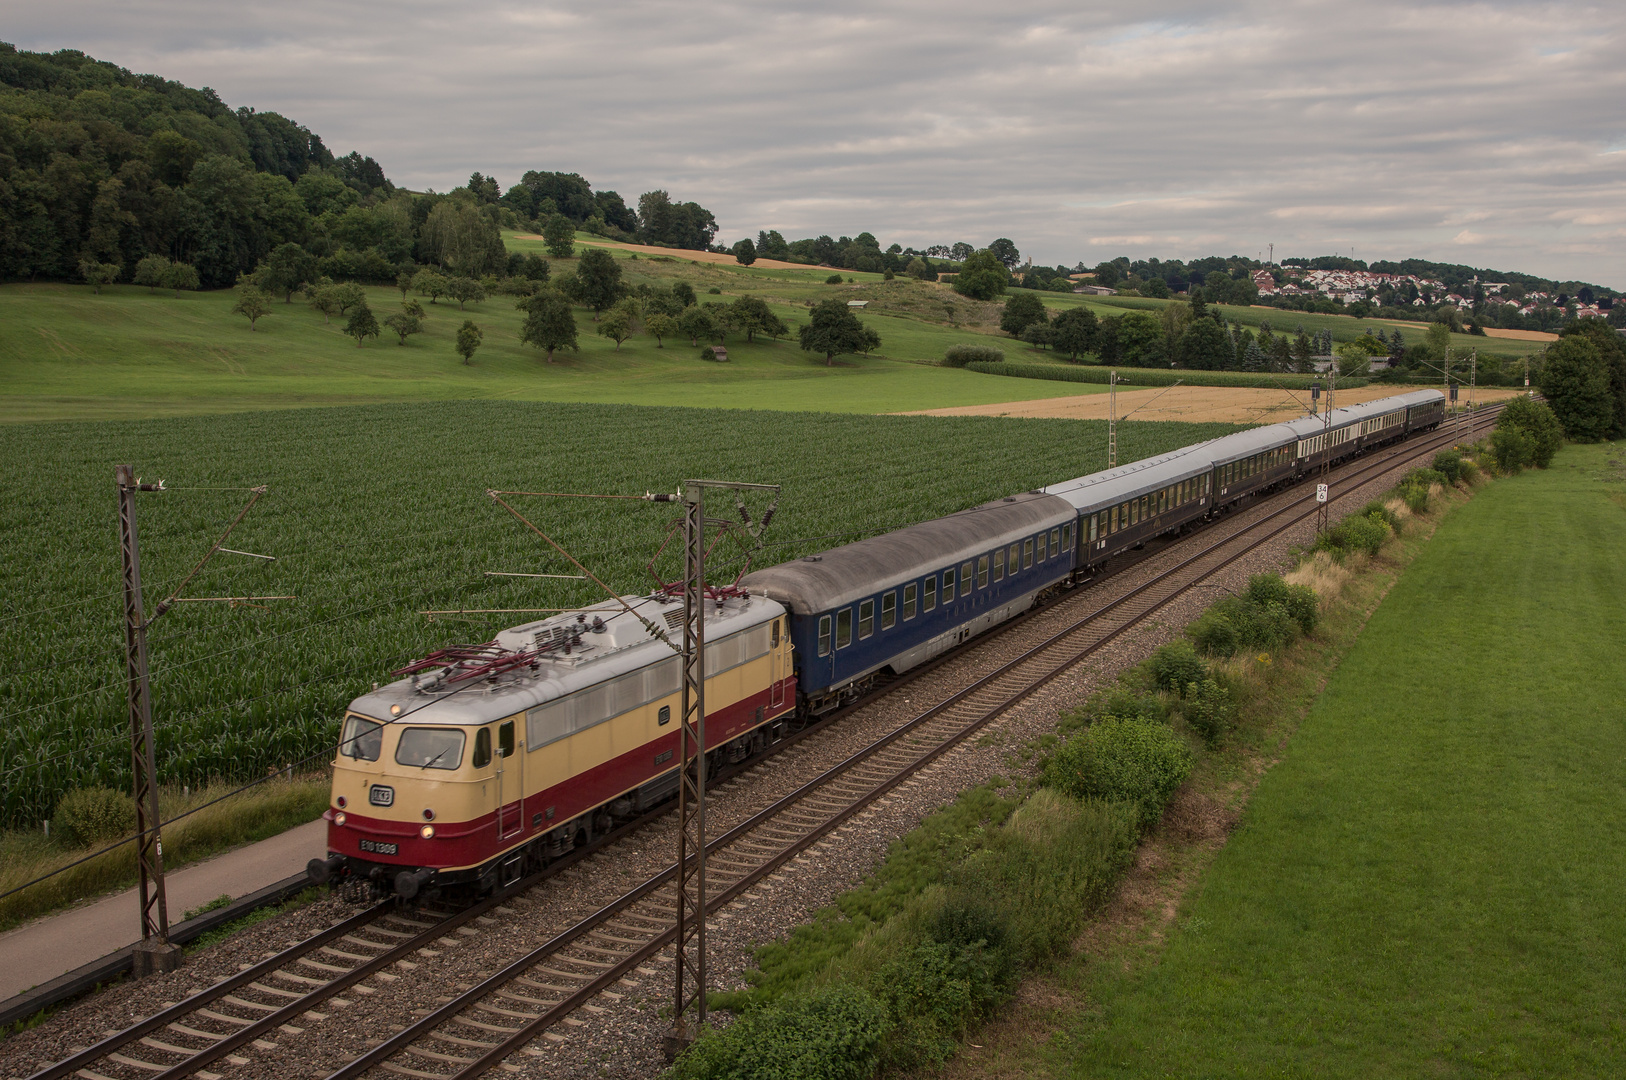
894,601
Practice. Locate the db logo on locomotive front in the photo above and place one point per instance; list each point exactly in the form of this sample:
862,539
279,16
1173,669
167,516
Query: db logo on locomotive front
381,795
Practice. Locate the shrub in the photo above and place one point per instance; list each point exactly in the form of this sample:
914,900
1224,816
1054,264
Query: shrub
1213,634
1298,600
714,291
1209,710
1537,423
1174,666
1512,450
1121,701
833,279
1128,760
831,1034
1448,463
961,355
92,816
1363,532
1379,511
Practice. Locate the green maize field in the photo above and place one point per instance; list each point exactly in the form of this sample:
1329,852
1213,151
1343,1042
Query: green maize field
376,513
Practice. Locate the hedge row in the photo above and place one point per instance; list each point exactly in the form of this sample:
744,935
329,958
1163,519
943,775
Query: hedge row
1153,376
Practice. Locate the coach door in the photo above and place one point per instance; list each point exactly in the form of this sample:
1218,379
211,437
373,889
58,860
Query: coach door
510,783
776,693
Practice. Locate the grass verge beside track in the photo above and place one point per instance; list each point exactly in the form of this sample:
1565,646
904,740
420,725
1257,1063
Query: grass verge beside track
1427,883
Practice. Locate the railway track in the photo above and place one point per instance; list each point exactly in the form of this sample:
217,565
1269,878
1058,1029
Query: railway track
475,1030
481,1027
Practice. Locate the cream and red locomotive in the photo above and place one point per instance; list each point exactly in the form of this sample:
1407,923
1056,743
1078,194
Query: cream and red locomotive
481,763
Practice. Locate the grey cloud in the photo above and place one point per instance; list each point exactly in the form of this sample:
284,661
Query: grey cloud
1471,132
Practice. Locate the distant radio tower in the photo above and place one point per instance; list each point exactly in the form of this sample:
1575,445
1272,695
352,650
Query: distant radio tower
1273,254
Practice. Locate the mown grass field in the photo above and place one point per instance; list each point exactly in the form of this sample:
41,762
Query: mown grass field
1428,882
378,512
67,353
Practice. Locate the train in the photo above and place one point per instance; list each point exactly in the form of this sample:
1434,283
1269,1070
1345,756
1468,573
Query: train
478,765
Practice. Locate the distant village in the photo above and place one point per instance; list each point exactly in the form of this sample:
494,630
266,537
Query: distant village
1352,286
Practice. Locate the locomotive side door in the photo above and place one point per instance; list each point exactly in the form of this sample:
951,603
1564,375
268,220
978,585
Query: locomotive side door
776,694
510,784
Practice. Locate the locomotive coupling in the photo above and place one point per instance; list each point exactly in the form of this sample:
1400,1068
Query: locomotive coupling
408,883
321,871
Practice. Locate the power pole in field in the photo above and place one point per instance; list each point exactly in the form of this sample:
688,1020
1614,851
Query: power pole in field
155,953
690,943
1112,420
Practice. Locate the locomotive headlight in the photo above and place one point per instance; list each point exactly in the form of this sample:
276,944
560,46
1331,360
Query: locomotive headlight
427,832
395,710
338,819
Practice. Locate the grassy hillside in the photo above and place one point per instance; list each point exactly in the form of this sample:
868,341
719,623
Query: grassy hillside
66,352
1428,883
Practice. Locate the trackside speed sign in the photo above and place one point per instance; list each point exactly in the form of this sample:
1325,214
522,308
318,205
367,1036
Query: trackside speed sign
1321,493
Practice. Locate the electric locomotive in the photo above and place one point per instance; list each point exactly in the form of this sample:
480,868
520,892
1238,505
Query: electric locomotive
481,763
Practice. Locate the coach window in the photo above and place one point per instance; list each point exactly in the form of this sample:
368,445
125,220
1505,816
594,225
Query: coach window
982,572
1027,554
866,619
965,579
1092,527
1066,536
1145,507
1042,551
889,610
929,601
999,565
909,592
482,748
824,635
844,628
948,586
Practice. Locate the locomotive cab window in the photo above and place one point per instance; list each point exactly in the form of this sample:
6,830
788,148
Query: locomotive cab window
482,749
909,601
774,643
866,619
824,635
430,748
362,739
505,739
844,628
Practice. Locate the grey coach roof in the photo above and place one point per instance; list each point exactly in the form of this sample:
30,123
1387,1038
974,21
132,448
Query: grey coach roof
1308,426
844,574
1135,479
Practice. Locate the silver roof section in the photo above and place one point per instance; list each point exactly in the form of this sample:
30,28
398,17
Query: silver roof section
842,575
1308,426
624,646
1241,444
1089,493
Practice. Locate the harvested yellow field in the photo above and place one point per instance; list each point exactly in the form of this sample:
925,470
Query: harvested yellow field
1194,404
1521,335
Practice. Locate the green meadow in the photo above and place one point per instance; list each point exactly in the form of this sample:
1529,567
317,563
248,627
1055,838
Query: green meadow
1428,883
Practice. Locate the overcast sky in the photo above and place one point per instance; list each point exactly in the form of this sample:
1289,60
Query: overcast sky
1492,133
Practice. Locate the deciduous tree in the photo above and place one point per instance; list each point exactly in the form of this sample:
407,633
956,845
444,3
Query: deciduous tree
617,325
661,326
560,236
1076,331
362,324
752,315
696,324
745,252
1575,382
1005,251
427,281
835,330
469,337
1022,308
598,277
982,276
322,299
348,296
464,289
150,272
287,268
404,323
549,323
251,304
97,274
